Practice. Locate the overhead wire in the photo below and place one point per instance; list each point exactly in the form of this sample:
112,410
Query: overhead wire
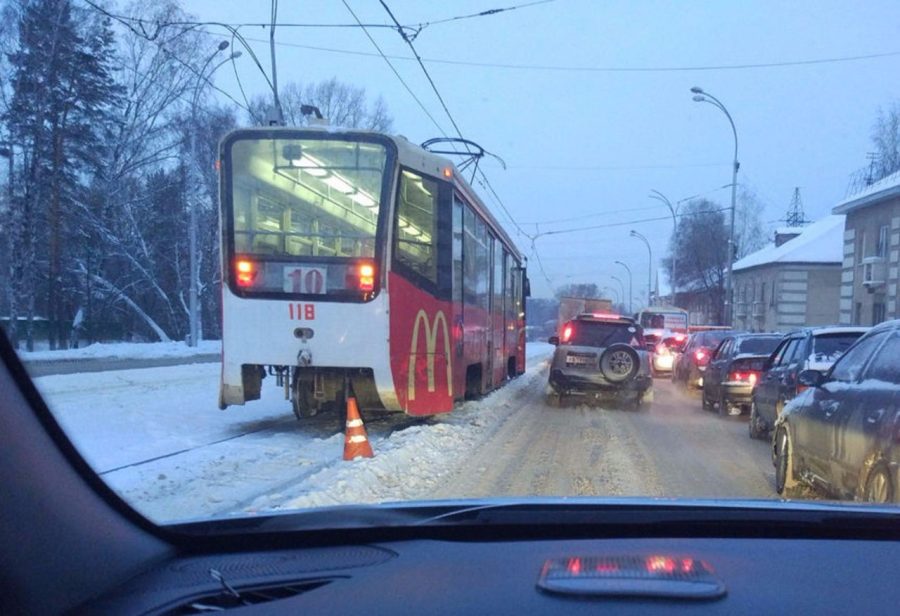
394,70
625,223
485,181
502,65
605,69
187,26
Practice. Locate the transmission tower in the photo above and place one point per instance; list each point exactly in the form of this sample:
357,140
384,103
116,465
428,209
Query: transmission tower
795,216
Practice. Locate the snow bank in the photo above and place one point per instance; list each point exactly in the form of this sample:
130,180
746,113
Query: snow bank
409,464
126,350
157,437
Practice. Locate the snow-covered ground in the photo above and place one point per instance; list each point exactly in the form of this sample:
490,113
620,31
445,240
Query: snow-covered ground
157,436
130,350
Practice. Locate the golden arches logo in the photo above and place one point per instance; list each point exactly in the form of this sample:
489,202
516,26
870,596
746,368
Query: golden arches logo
431,332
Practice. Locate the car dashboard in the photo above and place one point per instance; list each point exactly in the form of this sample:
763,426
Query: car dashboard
763,576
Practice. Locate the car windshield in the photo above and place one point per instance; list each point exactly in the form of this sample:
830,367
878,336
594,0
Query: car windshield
758,345
267,258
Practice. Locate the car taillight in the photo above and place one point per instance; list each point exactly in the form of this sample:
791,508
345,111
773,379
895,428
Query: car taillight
701,356
800,389
662,349
245,272
567,333
746,377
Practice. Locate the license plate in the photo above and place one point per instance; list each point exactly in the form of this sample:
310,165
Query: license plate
574,360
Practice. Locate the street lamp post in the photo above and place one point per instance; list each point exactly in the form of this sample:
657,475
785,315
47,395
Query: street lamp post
613,292
700,96
630,296
622,285
673,209
194,287
649,266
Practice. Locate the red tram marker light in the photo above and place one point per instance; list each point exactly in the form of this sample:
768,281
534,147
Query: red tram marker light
448,172
366,277
246,272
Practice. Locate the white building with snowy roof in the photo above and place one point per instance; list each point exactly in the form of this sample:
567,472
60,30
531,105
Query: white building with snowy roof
871,244
794,281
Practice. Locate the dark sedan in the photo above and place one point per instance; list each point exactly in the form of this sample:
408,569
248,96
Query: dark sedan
842,435
734,369
691,362
815,348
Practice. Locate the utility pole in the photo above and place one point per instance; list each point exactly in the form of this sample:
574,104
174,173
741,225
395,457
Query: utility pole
194,184
6,150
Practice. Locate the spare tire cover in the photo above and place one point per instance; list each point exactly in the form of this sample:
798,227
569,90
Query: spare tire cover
619,363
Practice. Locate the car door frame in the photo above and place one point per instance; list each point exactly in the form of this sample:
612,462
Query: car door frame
766,392
719,358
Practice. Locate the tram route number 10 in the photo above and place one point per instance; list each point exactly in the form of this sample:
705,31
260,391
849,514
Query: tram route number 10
302,312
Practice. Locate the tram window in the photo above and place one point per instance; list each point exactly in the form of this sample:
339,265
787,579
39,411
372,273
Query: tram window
482,265
294,211
509,268
457,249
470,251
416,236
498,282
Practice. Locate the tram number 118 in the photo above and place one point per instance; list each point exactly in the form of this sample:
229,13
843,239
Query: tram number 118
302,312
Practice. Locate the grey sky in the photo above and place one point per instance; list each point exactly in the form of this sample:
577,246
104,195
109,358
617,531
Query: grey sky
584,143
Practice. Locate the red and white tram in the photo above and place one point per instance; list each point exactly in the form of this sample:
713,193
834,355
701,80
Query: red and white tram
357,259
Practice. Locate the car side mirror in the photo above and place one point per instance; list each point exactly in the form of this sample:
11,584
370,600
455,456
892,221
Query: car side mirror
811,378
554,340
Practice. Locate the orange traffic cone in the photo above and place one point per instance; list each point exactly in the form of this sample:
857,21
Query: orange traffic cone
356,443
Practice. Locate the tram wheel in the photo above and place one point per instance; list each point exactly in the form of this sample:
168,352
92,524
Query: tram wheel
302,401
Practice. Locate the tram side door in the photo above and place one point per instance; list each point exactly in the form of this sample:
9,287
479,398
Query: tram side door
491,326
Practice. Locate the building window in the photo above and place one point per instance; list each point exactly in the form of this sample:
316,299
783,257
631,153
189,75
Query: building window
877,313
883,234
857,314
860,245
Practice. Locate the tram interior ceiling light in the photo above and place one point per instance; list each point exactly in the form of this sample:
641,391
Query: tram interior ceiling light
363,199
340,185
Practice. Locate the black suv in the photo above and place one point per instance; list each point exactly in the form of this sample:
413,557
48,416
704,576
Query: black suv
602,356
811,348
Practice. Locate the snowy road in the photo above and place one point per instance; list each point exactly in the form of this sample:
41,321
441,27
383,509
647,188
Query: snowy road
157,436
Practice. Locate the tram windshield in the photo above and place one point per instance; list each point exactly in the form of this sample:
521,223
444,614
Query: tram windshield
303,202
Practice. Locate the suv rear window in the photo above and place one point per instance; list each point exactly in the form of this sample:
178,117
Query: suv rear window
711,339
599,334
829,347
758,346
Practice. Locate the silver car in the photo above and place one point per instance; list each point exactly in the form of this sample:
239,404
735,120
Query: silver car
603,357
